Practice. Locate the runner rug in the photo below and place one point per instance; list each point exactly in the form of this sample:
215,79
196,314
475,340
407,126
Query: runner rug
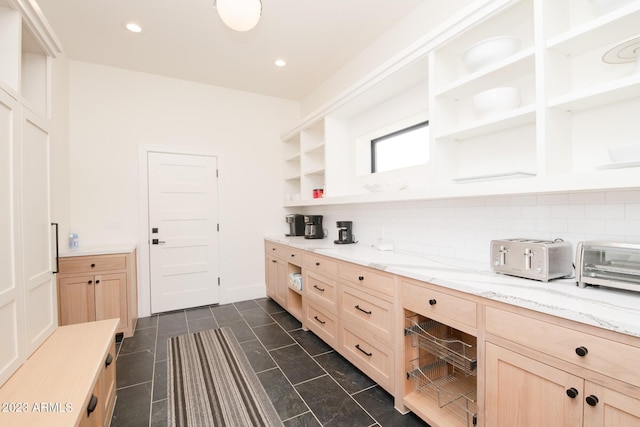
210,383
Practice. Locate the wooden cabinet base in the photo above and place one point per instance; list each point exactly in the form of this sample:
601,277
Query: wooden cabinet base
72,372
98,287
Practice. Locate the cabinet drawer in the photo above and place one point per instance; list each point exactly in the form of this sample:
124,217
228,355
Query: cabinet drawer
603,355
367,278
320,264
371,315
89,264
294,256
275,249
374,359
321,290
322,323
438,305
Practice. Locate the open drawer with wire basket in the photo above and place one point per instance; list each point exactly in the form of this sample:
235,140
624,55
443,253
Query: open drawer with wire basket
441,365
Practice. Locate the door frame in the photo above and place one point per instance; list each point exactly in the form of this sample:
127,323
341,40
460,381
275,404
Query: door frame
144,277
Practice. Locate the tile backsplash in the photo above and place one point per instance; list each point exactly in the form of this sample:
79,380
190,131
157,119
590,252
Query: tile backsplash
462,228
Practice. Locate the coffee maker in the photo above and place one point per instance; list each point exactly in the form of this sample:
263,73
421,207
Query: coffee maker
313,227
345,234
296,225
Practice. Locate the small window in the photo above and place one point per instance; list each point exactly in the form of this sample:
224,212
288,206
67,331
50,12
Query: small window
400,149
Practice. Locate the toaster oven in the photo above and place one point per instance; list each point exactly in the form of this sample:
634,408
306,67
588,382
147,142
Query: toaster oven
610,264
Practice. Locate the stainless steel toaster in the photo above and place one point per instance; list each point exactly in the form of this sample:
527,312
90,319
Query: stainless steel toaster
615,265
532,259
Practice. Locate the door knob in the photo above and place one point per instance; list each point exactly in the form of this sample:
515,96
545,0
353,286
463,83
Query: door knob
572,393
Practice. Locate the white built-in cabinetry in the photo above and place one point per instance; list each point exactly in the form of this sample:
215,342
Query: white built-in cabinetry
28,312
574,106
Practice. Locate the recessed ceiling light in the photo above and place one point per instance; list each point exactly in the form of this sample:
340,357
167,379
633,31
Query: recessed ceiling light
280,63
133,27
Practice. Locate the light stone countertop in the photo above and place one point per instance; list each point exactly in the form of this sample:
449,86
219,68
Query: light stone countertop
611,309
122,248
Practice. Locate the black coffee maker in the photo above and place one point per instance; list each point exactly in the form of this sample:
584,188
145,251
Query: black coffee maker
313,227
296,225
345,234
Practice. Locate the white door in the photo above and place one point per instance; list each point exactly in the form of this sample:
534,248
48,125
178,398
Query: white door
183,231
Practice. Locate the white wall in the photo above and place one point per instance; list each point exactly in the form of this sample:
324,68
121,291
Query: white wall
462,228
113,112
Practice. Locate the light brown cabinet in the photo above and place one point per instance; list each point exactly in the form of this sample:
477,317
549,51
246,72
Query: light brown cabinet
78,386
280,263
566,376
98,287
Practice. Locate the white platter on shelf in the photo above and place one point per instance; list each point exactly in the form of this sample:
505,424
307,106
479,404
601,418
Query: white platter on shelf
494,176
619,165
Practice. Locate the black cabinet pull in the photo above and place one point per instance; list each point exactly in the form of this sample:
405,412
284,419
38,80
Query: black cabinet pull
293,255
273,249
97,281
572,393
319,321
362,310
591,400
93,265
273,260
432,302
109,360
368,354
582,351
93,402
320,289
317,264
89,282
361,278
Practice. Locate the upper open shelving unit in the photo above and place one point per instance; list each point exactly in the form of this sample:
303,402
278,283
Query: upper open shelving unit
573,107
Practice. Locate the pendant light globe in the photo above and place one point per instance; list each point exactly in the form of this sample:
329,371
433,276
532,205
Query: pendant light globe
240,15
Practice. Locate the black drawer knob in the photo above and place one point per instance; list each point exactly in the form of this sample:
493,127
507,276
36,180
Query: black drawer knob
317,264
582,351
89,282
97,281
432,302
361,278
293,255
92,404
93,265
572,393
591,400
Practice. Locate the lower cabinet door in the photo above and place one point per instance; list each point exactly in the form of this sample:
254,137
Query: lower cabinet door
76,300
609,408
111,297
525,393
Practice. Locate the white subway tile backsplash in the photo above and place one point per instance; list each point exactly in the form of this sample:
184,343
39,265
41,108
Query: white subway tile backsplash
462,228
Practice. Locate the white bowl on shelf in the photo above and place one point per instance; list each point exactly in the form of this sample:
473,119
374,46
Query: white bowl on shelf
489,51
496,100
385,186
625,153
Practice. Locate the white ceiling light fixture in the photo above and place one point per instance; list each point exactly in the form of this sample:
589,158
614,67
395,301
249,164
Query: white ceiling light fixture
133,27
239,15
280,63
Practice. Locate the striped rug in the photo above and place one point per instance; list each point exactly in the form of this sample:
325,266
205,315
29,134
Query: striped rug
210,383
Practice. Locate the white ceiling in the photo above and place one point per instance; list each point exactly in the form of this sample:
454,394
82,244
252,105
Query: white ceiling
186,39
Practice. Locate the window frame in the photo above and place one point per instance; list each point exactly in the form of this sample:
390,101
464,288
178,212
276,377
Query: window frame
375,141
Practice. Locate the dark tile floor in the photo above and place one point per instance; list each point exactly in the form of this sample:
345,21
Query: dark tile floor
308,383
